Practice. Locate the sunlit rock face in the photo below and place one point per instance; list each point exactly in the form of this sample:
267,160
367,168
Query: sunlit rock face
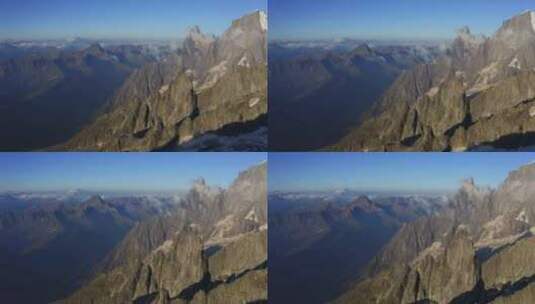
476,250
211,83
212,249
478,95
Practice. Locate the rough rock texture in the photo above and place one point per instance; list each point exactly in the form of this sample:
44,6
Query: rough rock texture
477,96
212,83
237,257
511,265
478,250
181,257
440,274
250,288
173,266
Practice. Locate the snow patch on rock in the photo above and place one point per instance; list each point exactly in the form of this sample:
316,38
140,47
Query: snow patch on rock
253,102
435,250
244,62
251,216
498,242
166,246
214,74
163,89
432,92
185,138
515,64
264,21
485,77
532,111
522,217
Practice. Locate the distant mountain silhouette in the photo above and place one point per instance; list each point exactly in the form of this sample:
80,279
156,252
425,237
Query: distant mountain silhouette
317,94
47,96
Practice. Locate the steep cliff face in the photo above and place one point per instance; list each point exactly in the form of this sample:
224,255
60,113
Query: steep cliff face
443,272
212,250
478,250
479,95
213,82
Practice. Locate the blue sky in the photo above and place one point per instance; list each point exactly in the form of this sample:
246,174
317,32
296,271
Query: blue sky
136,172
387,19
407,172
118,18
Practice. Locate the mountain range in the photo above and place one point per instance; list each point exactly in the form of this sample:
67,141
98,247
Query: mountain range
312,83
211,249
209,93
478,96
478,249
47,94
49,245
208,245
317,244
211,83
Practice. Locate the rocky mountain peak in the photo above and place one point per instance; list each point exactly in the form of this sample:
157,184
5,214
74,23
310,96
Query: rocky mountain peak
203,194
254,174
465,35
256,21
210,83
246,33
194,30
95,200
518,30
199,185
472,192
199,182
263,20
468,182
363,203
524,172
522,176
468,185
248,191
363,50
195,37
95,49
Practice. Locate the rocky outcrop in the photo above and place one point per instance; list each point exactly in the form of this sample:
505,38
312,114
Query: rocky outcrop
443,272
510,265
213,82
478,250
247,253
173,266
478,95
180,258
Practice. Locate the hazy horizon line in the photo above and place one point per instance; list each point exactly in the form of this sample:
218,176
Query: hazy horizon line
72,38
91,191
369,191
